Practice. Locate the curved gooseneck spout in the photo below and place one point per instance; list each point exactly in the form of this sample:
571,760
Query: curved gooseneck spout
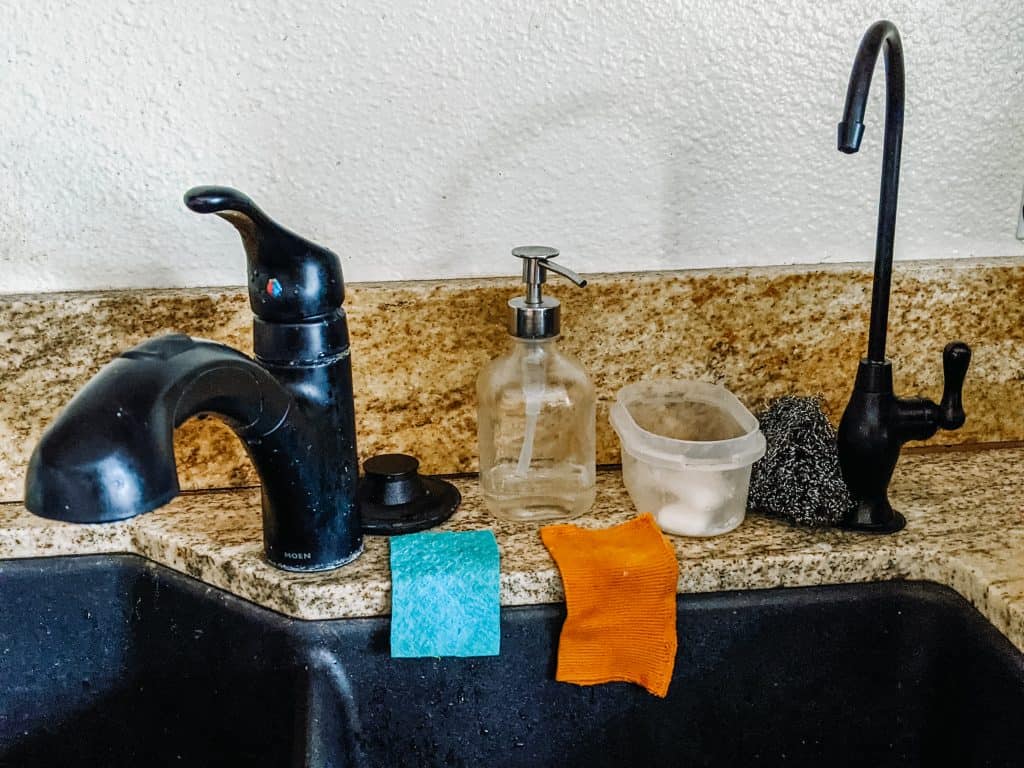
880,35
876,423
110,454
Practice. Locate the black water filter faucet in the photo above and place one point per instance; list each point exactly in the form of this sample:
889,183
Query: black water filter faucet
109,455
876,423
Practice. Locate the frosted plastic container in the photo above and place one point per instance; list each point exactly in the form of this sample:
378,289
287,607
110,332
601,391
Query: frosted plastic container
687,449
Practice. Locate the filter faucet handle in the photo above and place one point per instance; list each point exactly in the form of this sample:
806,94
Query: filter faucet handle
955,359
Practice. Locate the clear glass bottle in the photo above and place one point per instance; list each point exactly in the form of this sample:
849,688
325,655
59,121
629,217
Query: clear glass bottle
536,411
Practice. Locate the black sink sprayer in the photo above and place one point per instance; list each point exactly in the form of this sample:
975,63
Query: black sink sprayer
876,423
109,455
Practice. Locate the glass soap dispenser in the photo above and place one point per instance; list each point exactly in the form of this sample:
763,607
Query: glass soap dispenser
535,417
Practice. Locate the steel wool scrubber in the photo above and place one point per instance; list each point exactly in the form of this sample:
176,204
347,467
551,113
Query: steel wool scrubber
799,477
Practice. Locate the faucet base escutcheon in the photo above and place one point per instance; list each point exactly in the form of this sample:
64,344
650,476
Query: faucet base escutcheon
874,516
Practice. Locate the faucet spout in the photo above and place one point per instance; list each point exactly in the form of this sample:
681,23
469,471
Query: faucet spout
110,453
876,423
882,35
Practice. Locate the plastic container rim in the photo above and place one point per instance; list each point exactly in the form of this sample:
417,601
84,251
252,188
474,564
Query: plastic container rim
745,449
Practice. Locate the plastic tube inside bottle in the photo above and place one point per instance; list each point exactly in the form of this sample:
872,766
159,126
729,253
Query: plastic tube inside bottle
533,397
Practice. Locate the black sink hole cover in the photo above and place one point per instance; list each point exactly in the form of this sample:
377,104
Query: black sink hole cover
394,498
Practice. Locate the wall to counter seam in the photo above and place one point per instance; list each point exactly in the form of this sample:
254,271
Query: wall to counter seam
424,140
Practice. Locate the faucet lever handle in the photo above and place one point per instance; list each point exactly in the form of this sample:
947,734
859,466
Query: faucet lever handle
291,280
955,359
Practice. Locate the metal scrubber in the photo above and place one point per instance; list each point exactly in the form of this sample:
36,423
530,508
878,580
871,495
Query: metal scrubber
799,477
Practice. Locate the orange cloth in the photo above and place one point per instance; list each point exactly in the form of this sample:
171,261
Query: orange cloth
620,595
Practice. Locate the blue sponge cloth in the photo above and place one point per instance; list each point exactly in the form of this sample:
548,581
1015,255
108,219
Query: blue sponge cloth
445,594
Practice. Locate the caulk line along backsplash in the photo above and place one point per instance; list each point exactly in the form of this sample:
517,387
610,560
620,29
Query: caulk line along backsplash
762,332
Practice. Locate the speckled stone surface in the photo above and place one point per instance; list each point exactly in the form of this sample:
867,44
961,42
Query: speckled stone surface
417,349
965,511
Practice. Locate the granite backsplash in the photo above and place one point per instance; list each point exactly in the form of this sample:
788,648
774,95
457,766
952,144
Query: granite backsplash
417,349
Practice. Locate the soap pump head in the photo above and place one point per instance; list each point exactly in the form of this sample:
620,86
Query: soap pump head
536,316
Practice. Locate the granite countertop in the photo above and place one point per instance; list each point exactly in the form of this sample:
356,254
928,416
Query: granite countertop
965,530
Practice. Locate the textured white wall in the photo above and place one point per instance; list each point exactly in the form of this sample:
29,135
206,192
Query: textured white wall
423,140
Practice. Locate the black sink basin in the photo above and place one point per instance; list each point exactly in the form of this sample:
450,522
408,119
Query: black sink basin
110,661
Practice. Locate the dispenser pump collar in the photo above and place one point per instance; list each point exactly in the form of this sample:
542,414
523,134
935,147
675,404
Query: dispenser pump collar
535,316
